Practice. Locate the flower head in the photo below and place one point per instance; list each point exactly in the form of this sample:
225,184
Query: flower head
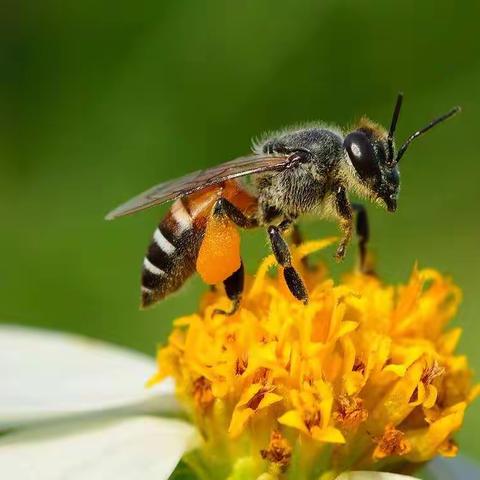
363,377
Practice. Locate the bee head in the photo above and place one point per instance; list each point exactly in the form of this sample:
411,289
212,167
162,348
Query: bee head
371,155
371,150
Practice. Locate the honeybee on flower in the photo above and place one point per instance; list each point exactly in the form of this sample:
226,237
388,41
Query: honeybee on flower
362,382
299,171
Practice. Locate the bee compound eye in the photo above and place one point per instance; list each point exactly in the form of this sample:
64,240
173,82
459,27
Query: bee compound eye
361,153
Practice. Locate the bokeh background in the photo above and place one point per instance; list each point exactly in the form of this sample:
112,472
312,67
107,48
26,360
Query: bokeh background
100,100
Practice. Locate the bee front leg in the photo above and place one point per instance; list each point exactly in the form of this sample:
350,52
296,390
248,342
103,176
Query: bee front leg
362,230
282,255
345,213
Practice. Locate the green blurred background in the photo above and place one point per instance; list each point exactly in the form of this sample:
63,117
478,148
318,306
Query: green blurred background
100,100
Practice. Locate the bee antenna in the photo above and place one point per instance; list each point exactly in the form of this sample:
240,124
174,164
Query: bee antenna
393,126
423,130
396,113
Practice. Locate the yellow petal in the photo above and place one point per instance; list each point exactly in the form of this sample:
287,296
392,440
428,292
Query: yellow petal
328,435
293,419
398,370
219,389
308,248
269,399
353,382
239,418
430,397
395,405
185,321
249,393
258,283
474,393
346,327
449,341
426,441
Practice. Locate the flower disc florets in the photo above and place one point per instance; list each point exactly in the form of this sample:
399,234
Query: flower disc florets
363,377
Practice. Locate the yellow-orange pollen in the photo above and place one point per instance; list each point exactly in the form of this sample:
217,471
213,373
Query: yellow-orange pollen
350,412
278,451
392,442
202,393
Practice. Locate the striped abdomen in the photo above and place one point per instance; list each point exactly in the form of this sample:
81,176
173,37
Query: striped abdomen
171,256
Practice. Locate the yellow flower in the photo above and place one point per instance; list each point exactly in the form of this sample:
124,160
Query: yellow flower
363,377
312,412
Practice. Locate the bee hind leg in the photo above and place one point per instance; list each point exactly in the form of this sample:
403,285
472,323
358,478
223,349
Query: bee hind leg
282,255
234,285
224,207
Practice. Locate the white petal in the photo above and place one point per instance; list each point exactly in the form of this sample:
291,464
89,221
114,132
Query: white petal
373,476
146,448
46,374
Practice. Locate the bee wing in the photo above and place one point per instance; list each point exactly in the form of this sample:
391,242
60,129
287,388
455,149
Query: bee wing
199,180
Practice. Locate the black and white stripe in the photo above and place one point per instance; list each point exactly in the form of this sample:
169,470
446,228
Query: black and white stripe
181,216
171,256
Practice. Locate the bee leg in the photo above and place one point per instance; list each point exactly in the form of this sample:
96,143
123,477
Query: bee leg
282,255
297,237
233,288
296,154
224,207
363,233
345,213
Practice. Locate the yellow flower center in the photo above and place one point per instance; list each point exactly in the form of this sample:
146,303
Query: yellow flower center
363,377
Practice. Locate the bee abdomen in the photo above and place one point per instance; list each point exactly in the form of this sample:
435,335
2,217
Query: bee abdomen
171,256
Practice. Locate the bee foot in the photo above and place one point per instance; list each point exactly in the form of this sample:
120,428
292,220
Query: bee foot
229,313
340,253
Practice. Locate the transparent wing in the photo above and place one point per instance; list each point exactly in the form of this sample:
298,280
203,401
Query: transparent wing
198,180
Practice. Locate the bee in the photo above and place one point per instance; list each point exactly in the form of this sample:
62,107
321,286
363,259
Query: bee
294,172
